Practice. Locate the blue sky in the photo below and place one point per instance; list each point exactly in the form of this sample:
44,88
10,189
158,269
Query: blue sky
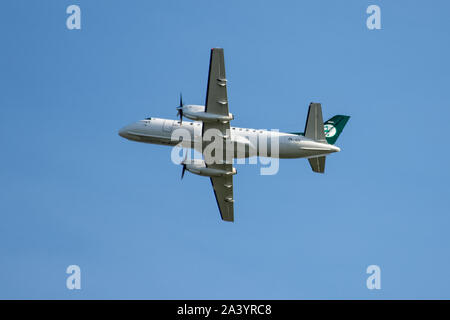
73,192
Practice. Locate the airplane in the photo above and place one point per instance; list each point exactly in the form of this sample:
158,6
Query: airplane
315,143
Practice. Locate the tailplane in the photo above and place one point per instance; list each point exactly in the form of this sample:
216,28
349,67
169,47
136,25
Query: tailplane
314,128
317,164
327,132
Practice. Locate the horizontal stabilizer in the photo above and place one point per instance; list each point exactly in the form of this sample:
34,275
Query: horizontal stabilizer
314,129
317,164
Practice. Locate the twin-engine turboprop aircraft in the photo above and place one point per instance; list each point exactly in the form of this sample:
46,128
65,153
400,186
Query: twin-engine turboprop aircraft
213,121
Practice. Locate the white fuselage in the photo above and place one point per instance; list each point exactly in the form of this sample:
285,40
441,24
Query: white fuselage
255,141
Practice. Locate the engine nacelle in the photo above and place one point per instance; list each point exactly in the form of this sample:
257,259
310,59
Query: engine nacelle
199,168
198,113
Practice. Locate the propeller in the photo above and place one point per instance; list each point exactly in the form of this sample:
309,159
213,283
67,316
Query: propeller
180,109
183,163
183,171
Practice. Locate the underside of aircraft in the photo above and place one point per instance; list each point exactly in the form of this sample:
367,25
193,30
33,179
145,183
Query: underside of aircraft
314,143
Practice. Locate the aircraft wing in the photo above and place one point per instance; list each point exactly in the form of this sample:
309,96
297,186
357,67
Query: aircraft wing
223,190
217,103
216,93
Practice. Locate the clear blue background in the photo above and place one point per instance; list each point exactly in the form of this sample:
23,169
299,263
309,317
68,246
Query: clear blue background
73,192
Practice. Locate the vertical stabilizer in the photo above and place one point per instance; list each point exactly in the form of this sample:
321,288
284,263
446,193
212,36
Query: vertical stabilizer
334,127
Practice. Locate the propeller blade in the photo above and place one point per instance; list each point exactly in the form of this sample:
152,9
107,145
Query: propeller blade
180,109
183,171
183,163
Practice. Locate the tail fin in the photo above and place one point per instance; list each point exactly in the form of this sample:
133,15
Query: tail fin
334,127
327,132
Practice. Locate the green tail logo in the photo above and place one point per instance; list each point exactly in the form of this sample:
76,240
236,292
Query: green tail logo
334,127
